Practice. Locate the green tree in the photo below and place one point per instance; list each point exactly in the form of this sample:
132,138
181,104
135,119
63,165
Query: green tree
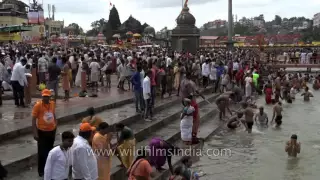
77,29
99,24
277,20
241,29
114,19
102,26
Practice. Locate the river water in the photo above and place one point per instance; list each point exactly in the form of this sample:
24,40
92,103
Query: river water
261,155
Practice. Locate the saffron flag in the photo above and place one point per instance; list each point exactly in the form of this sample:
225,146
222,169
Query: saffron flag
110,4
186,3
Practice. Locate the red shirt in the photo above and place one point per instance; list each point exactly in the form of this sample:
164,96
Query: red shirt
153,77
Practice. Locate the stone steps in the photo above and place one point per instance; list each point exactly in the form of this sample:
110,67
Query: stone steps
21,127
20,152
207,129
167,120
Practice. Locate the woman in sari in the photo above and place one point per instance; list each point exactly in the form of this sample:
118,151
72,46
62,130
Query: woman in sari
176,72
268,92
160,152
65,79
126,143
101,143
187,122
140,169
170,78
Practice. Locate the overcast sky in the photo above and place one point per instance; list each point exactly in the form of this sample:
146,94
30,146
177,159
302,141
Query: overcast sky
161,13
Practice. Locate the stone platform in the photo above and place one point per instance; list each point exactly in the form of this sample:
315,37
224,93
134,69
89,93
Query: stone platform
17,121
166,124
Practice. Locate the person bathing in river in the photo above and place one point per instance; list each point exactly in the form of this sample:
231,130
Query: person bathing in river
293,147
277,114
277,95
235,121
268,92
307,94
248,116
223,102
293,92
262,118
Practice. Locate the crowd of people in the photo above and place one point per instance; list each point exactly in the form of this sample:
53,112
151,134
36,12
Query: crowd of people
237,76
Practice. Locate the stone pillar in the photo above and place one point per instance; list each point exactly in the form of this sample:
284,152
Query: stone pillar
230,26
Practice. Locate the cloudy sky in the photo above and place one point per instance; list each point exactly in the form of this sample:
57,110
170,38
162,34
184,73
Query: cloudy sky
161,13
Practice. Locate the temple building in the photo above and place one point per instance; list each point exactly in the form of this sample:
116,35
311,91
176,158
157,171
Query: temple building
185,37
13,12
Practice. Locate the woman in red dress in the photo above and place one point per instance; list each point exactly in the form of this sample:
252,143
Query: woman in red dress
268,92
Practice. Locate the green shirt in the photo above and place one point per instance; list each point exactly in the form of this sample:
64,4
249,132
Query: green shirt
255,79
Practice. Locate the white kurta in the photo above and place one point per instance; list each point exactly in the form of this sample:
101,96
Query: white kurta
78,76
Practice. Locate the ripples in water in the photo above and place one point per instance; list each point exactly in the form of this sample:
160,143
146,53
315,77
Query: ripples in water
261,155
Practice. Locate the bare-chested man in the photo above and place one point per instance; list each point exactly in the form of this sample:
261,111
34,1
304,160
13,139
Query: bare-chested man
293,147
235,121
248,116
223,104
277,114
306,94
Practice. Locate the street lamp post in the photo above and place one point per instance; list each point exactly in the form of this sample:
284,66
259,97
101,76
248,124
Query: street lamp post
230,26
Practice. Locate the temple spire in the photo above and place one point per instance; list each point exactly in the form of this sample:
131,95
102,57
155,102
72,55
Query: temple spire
186,3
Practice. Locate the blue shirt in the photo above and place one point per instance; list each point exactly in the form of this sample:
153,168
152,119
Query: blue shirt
59,63
220,70
136,81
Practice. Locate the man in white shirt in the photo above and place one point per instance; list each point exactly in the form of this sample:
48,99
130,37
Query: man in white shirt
58,160
168,62
146,89
83,159
235,68
42,68
18,81
303,58
94,77
205,73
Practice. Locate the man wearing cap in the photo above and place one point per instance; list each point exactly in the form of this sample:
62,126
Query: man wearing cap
83,159
44,127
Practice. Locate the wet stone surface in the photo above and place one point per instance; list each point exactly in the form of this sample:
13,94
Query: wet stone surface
12,118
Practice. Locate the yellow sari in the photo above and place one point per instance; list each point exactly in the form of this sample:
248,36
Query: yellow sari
126,152
101,144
